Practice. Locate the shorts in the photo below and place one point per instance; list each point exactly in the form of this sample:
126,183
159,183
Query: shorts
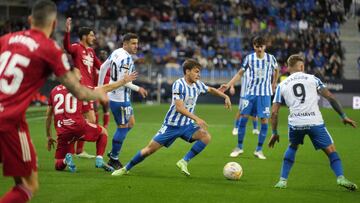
256,106
122,111
241,101
319,135
17,153
65,142
168,134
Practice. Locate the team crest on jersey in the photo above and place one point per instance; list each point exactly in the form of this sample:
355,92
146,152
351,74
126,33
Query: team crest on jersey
189,102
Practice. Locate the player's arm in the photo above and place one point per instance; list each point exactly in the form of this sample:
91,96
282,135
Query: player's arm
274,123
72,83
275,79
66,41
218,93
50,141
137,88
335,104
179,104
236,77
117,84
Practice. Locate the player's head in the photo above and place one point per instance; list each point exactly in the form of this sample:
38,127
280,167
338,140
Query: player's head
43,16
259,44
131,43
296,63
77,73
86,36
191,69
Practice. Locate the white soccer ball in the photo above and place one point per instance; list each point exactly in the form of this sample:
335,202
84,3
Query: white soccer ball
233,171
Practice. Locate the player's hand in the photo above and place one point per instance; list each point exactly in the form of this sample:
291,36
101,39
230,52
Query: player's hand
227,103
101,94
350,122
50,143
131,77
273,86
232,90
223,87
273,140
143,92
201,123
68,25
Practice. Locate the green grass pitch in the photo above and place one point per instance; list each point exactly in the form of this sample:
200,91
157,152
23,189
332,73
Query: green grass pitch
158,180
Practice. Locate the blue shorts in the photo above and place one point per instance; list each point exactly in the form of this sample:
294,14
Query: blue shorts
318,134
122,111
256,106
241,101
168,134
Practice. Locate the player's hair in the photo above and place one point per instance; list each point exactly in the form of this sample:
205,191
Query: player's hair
293,59
128,36
259,40
190,64
84,31
42,12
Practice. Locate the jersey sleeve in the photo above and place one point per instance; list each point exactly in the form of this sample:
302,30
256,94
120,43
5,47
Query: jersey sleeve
277,97
274,64
245,63
56,59
70,48
178,91
203,88
319,83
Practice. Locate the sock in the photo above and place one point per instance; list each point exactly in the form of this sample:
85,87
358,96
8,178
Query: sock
241,132
255,124
106,119
262,136
80,146
18,194
335,164
195,149
60,164
117,141
135,160
236,123
101,145
288,162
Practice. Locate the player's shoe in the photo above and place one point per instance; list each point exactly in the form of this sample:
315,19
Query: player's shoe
235,131
99,163
122,171
282,184
236,152
342,181
255,132
259,154
115,163
182,165
85,155
69,162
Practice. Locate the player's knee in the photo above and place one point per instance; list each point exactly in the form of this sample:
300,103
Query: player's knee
104,131
32,184
147,151
205,137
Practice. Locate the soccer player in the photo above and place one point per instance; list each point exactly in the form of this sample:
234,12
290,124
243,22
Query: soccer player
180,119
120,62
300,92
261,67
85,60
70,125
27,58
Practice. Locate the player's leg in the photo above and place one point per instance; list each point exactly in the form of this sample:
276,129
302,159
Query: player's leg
255,130
263,111
236,123
80,153
63,156
106,114
261,139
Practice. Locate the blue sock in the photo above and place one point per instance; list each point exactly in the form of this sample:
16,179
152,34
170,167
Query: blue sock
255,124
195,149
236,123
241,132
262,136
117,141
135,160
335,164
288,162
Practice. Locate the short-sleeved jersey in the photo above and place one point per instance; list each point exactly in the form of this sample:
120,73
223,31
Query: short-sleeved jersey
260,74
68,110
189,95
84,59
27,58
299,91
120,62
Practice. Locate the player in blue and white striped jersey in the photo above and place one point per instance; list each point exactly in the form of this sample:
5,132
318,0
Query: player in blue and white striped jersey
262,68
300,93
120,63
180,121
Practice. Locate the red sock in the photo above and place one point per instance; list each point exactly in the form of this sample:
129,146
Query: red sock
106,119
59,164
79,146
18,194
96,117
101,145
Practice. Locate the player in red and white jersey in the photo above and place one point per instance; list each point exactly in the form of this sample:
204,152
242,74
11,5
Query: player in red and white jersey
71,125
27,58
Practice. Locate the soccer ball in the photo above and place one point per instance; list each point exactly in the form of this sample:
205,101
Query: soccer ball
233,171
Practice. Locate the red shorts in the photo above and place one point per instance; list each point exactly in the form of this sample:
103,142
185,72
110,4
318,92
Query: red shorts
65,142
17,152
